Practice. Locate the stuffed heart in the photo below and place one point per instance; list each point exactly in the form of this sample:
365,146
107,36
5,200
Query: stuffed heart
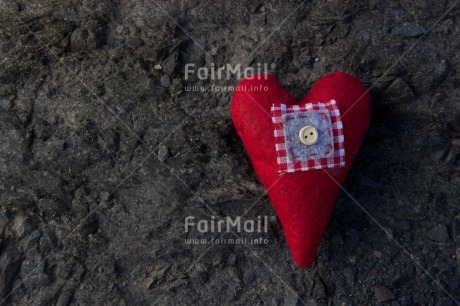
302,151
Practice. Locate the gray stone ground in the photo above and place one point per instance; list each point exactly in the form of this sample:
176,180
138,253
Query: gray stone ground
104,153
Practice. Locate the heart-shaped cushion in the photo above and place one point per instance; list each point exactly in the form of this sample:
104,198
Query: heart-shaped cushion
304,197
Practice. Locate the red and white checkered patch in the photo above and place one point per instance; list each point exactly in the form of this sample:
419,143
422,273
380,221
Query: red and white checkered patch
334,159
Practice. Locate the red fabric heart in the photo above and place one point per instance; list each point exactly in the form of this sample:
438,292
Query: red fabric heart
303,200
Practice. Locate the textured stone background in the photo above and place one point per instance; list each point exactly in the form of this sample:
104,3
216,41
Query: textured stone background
103,153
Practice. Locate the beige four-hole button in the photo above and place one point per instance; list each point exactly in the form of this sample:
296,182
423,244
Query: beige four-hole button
308,135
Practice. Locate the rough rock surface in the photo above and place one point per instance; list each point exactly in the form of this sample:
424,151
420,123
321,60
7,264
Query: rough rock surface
91,92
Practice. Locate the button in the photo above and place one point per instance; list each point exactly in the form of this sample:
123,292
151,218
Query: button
308,135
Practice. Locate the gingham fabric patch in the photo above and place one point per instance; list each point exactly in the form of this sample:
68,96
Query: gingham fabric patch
293,155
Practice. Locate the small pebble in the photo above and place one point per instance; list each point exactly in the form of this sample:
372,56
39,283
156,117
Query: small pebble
22,226
439,155
214,51
135,42
163,153
439,233
383,294
120,29
350,275
453,155
83,39
408,30
292,299
165,81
